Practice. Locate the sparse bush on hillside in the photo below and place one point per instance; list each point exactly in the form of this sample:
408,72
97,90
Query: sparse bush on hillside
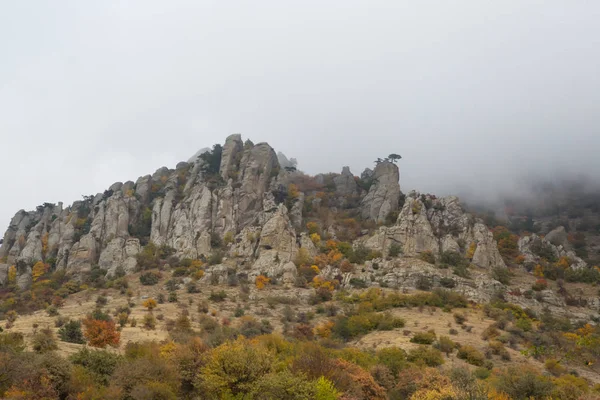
426,355
218,296
471,355
150,278
427,256
44,341
71,332
423,337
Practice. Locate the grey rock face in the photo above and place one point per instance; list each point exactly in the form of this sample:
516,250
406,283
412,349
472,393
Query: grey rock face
231,155
4,273
345,185
258,162
384,193
534,248
437,225
558,237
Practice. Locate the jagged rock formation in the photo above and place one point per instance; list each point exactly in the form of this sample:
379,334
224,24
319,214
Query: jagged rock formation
427,223
284,162
238,191
345,185
384,193
551,248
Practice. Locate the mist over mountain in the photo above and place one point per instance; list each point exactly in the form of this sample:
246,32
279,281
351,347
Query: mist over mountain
474,97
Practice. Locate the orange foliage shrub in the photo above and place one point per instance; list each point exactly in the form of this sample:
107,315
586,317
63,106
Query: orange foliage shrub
101,333
334,257
369,389
564,262
324,330
262,281
150,304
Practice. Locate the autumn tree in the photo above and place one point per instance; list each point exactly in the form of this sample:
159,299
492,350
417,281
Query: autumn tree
101,333
150,304
12,274
233,368
39,269
262,281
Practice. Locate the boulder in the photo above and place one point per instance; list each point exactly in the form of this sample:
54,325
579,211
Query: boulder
558,237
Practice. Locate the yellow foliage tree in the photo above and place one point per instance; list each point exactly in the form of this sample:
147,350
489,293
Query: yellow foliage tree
150,304
471,251
538,271
293,191
564,262
262,281
319,282
12,274
316,238
324,330
39,269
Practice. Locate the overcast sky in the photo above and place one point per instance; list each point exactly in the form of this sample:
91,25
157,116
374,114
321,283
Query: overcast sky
473,94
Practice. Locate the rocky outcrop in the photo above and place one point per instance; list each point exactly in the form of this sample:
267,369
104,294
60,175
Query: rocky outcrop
558,237
535,248
345,185
243,195
230,158
180,208
384,193
277,243
427,223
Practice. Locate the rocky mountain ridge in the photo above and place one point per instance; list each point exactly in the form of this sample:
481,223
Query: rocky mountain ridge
238,201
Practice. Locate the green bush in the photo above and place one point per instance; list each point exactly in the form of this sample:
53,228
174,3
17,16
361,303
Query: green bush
150,278
502,275
427,256
445,345
71,332
358,283
348,327
218,296
447,282
100,364
523,383
395,250
423,337
426,355
44,341
471,355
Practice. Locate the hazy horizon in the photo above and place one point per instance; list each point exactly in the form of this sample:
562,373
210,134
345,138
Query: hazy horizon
477,98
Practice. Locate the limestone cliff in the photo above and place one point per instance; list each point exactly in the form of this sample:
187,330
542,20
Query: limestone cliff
427,223
237,192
